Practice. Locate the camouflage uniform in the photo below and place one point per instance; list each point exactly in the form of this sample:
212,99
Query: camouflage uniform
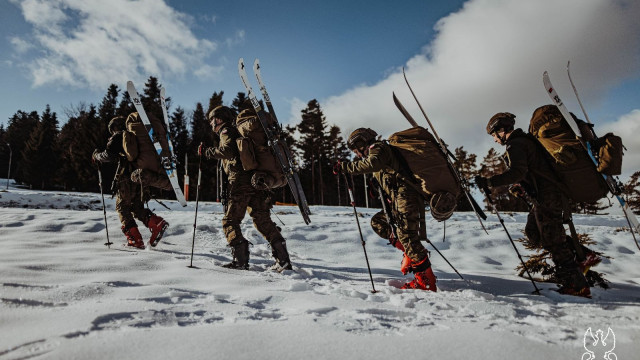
528,166
406,203
244,197
129,200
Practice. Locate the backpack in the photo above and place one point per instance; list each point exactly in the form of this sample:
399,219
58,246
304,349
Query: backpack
580,178
421,156
138,146
256,154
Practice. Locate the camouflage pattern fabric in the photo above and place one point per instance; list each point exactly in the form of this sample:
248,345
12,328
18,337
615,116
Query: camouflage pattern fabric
130,205
243,198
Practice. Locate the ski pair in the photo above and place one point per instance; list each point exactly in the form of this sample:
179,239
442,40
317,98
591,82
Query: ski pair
480,215
169,164
273,131
614,188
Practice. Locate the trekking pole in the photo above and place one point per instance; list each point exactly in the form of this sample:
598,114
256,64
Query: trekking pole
445,259
487,193
394,232
195,219
104,208
355,212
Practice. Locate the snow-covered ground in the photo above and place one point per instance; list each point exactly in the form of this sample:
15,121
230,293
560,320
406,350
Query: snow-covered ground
64,295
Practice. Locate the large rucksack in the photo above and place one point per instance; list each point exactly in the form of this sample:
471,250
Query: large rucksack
141,152
579,176
421,156
256,154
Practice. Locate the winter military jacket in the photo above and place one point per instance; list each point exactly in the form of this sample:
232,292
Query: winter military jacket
227,151
527,165
114,150
385,166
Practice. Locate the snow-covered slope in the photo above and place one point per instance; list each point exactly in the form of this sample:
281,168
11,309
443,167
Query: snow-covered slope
64,295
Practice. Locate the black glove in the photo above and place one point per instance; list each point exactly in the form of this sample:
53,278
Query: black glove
482,183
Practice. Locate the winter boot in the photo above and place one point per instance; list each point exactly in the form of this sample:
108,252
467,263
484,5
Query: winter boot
133,237
424,280
572,282
409,265
157,225
240,253
281,255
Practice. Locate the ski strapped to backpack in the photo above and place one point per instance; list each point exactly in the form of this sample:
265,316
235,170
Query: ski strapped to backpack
164,155
278,147
480,215
588,145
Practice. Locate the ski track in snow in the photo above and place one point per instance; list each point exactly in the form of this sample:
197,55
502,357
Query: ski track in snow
61,290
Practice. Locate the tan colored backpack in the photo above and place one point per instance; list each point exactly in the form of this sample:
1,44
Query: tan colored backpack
256,154
138,146
423,157
575,169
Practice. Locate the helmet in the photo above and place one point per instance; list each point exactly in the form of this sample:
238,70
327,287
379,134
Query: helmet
503,121
442,205
360,138
221,112
116,124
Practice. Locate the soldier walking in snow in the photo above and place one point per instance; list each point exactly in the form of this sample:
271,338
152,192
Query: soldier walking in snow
378,158
243,196
528,167
130,196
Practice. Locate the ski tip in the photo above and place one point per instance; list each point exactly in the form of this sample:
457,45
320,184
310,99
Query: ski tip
256,63
240,63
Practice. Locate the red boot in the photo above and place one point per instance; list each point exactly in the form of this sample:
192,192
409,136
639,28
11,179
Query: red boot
424,280
133,237
157,225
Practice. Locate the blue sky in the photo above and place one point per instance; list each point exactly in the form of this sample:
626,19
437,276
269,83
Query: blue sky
466,59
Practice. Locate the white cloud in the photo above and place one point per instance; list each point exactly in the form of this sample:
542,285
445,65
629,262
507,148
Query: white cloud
627,127
489,57
93,43
20,45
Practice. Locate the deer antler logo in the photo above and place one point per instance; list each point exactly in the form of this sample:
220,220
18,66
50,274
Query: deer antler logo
599,344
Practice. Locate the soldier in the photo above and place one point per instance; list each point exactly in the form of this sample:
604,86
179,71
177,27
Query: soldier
243,197
378,158
129,200
528,167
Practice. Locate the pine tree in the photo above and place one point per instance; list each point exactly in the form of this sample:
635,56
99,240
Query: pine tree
21,124
314,146
180,137
77,141
242,102
465,164
215,100
151,98
4,153
39,157
631,191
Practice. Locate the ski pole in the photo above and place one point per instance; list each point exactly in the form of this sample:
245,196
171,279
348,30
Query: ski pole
104,208
195,219
495,209
355,212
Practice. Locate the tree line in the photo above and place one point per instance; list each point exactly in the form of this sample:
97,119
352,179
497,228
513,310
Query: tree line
47,156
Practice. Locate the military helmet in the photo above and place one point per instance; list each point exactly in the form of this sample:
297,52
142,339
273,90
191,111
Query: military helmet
221,112
116,124
360,138
503,121
442,205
